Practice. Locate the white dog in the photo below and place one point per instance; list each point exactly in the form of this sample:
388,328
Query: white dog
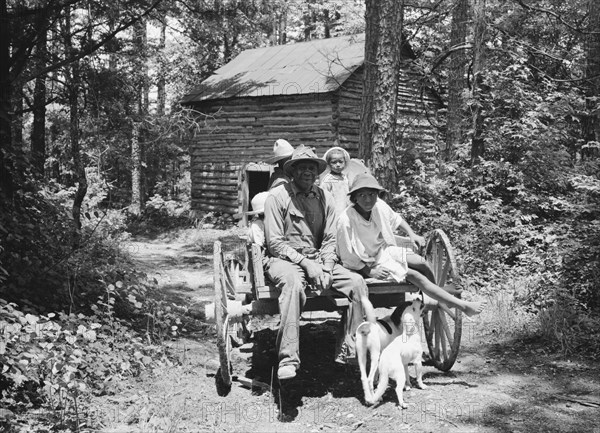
394,359
372,339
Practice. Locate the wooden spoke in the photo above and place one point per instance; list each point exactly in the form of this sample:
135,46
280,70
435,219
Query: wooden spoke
436,321
440,263
444,274
435,259
442,335
447,310
446,328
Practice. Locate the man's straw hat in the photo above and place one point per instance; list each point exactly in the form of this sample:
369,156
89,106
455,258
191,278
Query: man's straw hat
303,153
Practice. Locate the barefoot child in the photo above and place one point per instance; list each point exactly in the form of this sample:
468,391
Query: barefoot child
336,182
366,243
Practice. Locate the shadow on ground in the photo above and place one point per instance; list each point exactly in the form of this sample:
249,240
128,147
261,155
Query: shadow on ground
317,376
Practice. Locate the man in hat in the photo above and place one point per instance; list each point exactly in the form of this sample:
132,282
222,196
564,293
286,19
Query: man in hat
282,152
300,234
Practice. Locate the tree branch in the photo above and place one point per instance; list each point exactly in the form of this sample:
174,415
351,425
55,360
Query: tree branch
446,54
94,47
555,15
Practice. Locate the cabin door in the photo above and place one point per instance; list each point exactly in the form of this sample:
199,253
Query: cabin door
254,179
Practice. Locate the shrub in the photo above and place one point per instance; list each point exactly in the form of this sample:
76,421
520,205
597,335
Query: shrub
59,360
160,215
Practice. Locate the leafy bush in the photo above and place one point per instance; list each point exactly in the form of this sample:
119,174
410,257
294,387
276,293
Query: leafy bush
530,210
160,215
59,360
38,263
35,242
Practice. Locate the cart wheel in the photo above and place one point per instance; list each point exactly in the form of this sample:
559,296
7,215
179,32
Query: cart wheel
222,322
443,324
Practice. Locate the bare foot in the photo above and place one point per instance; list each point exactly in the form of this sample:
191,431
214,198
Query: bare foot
473,308
452,289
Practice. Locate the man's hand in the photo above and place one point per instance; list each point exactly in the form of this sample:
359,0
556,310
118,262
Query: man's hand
316,274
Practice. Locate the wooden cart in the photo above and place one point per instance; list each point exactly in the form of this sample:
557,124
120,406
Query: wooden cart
237,297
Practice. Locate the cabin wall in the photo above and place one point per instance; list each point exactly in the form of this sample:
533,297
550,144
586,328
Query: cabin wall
239,131
417,117
215,186
349,108
415,110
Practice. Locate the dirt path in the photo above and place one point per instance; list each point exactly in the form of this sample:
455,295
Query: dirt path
500,383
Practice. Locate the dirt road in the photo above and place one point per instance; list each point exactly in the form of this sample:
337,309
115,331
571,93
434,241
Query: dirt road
502,382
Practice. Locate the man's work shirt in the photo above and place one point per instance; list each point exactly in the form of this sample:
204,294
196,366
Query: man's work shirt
299,225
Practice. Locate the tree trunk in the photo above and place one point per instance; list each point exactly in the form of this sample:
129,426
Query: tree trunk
137,173
282,36
142,48
385,96
38,130
326,24
369,78
161,94
591,125
456,79
112,17
76,147
137,204
477,144
6,184
73,85
17,115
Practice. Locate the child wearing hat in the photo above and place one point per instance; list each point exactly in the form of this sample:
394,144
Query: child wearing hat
366,243
256,230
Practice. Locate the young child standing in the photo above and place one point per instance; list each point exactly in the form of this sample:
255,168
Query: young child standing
336,181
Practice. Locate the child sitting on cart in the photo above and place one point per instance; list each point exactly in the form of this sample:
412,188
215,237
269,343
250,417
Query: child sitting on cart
256,230
366,243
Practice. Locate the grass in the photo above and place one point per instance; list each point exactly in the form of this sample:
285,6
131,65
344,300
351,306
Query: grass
562,326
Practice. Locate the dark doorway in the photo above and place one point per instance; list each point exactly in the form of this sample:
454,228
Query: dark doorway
257,182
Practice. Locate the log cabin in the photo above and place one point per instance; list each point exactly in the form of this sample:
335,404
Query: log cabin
307,93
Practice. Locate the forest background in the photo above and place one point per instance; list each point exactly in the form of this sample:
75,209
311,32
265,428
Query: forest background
93,151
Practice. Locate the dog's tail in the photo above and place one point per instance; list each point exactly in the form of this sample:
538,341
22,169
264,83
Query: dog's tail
364,329
381,388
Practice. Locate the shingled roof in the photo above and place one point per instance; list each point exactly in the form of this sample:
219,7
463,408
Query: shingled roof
317,66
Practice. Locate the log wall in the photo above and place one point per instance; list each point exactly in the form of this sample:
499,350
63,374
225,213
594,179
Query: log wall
414,108
417,112
350,102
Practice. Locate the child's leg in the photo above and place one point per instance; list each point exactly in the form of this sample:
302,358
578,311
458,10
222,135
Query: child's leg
419,264
439,294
